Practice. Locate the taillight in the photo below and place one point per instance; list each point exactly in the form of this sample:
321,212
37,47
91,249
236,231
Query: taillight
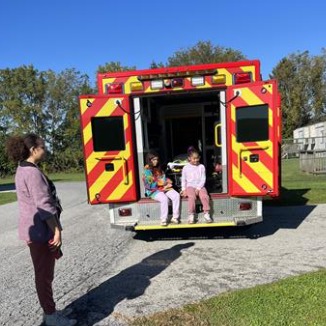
242,77
114,88
125,211
245,206
177,82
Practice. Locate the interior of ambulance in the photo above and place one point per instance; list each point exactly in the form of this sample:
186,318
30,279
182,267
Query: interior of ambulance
171,124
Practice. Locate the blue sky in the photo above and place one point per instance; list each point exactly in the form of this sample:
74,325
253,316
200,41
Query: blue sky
82,34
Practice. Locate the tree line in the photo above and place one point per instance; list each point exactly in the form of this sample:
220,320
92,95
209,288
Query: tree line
46,102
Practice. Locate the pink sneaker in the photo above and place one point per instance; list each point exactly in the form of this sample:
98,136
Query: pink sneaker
191,218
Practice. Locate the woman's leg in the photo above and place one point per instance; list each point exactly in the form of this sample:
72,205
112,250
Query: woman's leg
175,198
163,199
191,200
204,198
43,261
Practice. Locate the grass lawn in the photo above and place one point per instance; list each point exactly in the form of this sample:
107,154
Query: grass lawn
9,197
299,188
296,301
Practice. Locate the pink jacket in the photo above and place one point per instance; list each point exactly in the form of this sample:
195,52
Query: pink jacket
193,176
36,204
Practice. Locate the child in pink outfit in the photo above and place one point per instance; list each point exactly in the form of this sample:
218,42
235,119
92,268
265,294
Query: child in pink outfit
193,184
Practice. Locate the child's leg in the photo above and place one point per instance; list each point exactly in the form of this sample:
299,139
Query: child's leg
175,198
163,199
204,198
191,194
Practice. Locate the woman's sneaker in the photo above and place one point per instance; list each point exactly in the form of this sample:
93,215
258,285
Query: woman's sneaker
191,218
175,220
164,223
57,319
207,218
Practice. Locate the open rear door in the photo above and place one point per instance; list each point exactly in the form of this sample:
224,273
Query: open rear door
107,131
253,116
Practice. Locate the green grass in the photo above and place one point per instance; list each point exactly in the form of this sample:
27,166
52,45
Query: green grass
293,301
9,197
300,188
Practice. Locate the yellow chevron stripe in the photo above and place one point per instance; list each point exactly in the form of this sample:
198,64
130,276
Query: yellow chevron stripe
250,97
130,80
243,182
83,106
270,117
227,75
106,176
249,69
121,189
87,132
258,167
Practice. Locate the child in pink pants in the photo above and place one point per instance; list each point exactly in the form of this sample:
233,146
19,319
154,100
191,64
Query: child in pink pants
193,184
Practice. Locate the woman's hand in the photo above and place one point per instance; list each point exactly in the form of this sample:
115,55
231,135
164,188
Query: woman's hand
183,193
56,242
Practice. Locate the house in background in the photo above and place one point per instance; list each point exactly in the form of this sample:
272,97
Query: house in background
311,138
310,146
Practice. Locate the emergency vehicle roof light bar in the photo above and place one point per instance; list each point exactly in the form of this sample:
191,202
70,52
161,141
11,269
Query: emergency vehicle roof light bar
206,72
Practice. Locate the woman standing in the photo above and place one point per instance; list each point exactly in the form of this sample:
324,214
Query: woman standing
159,187
39,222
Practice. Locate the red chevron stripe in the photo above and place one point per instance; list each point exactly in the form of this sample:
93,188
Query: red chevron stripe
237,188
112,184
253,176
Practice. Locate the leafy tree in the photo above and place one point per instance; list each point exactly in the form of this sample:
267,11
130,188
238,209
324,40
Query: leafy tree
204,52
22,97
45,103
301,80
62,110
114,66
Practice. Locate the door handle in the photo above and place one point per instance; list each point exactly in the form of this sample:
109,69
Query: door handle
216,129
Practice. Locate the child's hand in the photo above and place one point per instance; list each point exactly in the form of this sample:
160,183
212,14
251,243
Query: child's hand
167,186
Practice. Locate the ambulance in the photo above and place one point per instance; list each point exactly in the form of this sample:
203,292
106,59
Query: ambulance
225,110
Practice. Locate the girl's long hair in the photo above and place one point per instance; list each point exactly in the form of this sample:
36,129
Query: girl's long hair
156,170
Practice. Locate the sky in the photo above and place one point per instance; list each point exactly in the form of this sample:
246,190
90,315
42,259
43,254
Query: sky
82,34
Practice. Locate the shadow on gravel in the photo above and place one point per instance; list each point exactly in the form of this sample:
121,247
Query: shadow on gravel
275,218
132,282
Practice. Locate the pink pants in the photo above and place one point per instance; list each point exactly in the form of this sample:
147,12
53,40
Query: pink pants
163,198
203,196
43,261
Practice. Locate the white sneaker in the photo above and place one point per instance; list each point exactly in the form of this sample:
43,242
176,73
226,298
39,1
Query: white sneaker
164,223
175,220
191,218
57,319
207,218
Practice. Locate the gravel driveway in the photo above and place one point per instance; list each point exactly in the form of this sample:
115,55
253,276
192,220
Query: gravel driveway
108,276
